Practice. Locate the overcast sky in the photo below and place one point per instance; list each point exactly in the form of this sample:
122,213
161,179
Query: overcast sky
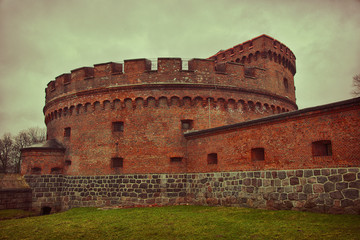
41,39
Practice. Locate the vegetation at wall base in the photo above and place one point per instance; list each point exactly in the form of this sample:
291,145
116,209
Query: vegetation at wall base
15,214
182,222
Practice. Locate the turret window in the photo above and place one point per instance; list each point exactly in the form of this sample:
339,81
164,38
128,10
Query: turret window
286,85
67,132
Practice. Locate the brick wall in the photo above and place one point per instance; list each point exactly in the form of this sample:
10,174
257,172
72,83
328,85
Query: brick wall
288,141
15,199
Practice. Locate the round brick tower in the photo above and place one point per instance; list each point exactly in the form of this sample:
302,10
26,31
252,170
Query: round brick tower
127,118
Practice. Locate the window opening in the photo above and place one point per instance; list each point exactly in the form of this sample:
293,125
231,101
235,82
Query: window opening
322,148
36,170
56,170
67,162
176,159
286,84
187,124
212,158
67,132
118,126
257,154
117,162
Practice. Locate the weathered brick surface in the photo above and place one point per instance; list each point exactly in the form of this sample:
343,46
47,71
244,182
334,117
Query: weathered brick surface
287,143
15,199
258,189
152,102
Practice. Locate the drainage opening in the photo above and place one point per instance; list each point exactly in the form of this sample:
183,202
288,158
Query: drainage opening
45,210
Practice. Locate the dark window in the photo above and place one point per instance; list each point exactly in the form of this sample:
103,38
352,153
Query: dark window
251,44
67,162
187,124
322,148
257,154
249,72
175,159
286,84
36,170
212,158
117,162
67,132
56,170
118,126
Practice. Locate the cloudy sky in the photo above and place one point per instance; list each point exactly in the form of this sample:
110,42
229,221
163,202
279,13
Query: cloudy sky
41,39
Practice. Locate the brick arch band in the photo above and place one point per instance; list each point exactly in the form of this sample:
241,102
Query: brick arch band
163,101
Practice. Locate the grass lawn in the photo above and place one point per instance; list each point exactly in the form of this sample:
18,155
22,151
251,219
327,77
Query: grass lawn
182,222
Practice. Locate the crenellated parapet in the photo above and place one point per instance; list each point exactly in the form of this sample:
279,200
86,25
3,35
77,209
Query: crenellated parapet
138,71
261,47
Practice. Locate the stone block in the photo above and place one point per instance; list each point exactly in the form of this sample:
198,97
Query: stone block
349,177
308,188
355,184
308,173
351,193
335,178
336,195
294,181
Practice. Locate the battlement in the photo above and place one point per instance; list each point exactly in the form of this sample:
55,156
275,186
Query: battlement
139,71
262,46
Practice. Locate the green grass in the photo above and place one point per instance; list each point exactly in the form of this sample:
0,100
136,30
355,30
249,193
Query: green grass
14,213
182,222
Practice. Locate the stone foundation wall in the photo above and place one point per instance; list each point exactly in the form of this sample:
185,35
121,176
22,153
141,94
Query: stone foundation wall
124,190
317,190
15,199
63,192
46,191
326,190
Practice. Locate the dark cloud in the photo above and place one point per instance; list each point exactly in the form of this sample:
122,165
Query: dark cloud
42,39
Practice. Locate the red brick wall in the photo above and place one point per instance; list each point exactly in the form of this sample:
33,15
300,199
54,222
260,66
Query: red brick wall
45,159
151,104
287,142
266,53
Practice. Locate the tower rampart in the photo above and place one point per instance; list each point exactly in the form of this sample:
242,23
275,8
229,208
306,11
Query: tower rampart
153,107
